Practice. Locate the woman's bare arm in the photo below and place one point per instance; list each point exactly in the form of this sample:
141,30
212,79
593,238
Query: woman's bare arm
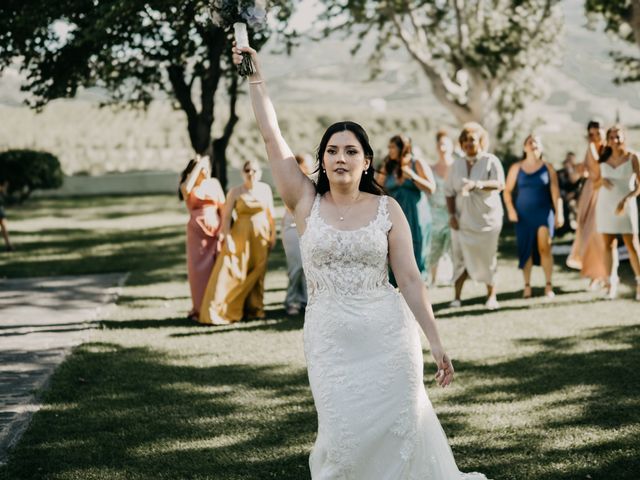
555,195
423,180
412,287
292,184
507,194
227,212
187,186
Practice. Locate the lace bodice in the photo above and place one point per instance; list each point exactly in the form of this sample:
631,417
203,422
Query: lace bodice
345,262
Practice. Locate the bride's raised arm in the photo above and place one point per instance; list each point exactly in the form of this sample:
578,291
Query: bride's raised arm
291,183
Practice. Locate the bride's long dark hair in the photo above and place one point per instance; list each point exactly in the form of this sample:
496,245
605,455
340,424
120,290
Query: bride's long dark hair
367,181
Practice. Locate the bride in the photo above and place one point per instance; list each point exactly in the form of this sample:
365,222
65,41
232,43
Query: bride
361,338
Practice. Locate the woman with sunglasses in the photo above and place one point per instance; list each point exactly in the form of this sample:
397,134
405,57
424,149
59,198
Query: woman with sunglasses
236,286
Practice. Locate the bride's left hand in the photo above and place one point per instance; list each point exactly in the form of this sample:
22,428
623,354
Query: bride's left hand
444,375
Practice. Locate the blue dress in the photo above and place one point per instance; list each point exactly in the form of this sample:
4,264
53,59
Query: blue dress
535,210
415,205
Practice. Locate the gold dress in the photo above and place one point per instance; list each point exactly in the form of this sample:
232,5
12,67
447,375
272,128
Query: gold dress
236,286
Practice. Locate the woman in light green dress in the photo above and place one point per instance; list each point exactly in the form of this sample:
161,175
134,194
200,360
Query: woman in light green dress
440,230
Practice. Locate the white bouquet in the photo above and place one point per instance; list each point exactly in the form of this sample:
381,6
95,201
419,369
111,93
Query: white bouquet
238,14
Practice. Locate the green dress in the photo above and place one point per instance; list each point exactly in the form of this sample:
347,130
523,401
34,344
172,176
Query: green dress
441,234
416,208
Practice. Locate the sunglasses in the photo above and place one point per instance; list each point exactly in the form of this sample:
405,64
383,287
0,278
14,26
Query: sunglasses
250,170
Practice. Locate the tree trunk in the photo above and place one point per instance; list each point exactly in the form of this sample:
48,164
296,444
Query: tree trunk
219,145
635,20
199,133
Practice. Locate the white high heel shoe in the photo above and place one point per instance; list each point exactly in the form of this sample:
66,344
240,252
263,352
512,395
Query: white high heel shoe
611,291
637,291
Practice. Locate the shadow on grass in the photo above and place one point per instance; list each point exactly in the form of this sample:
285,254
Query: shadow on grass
538,301
278,324
598,390
147,323
150,254
120,413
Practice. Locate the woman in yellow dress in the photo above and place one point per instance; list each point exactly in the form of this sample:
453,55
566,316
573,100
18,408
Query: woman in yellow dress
236,287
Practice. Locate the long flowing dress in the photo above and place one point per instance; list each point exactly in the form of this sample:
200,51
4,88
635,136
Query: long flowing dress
535,210
296,296
440,230
201,242
587,251
415,205
365,363
475,244
236,286
623,178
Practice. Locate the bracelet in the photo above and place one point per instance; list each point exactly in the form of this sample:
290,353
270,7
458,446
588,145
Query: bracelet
479,185
255,82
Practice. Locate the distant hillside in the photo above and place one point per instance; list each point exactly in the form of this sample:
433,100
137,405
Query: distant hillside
319,83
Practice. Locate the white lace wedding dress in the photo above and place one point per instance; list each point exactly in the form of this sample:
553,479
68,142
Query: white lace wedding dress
363,352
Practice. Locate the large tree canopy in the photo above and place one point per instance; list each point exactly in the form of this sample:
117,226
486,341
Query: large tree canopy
132,48
622,18
481,57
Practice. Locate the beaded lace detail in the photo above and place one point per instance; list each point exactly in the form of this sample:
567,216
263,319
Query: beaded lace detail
364,360
345,262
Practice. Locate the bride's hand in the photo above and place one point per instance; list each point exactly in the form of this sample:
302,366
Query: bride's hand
237,57
444,375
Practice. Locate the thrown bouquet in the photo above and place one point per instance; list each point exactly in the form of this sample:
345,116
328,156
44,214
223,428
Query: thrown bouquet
238,14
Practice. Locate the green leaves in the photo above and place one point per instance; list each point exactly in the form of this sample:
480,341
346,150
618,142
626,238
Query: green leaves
476,54
622,18
28,170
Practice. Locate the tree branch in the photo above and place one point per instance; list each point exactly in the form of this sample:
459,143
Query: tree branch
634,20
181,89
545,15
443,87
233,117
215,41
463,40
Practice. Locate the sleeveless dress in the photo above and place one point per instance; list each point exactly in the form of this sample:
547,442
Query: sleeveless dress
201,245
415,205
236,286
623,178
535,210
588,249
440,230
365,363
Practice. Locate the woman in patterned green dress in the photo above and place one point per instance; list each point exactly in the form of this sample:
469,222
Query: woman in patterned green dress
440,231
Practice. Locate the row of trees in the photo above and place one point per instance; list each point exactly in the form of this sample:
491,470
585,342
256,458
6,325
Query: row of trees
483,58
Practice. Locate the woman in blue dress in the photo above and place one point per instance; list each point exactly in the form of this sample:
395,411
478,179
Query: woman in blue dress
537,211
408,181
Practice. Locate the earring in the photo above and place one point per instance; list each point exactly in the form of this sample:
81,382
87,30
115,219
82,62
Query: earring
324,171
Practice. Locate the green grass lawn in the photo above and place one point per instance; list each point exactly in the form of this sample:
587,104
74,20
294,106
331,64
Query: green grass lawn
544,390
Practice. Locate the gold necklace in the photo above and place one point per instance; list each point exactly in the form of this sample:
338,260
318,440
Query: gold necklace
344,212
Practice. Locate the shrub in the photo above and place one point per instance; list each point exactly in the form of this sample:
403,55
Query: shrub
26,171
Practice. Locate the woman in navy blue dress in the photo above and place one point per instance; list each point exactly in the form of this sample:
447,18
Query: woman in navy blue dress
537,211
